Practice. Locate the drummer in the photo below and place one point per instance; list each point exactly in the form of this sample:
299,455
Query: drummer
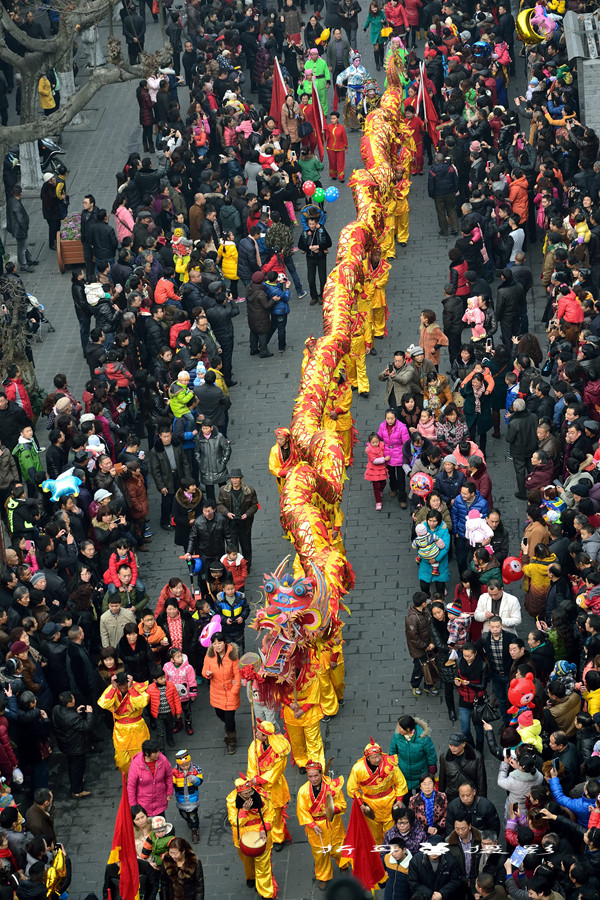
319,806
267,757
251,818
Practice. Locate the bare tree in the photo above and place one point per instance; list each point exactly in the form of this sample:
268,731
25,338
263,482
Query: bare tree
57,52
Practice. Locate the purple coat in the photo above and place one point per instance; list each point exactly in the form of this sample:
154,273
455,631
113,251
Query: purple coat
150,791
393,442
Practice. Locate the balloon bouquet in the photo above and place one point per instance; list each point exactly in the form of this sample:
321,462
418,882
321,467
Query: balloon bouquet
331,194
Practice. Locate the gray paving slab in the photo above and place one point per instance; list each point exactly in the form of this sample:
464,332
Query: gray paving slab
378,668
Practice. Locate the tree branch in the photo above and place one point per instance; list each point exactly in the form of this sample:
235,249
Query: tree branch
33,131
93,16
43,45
30,62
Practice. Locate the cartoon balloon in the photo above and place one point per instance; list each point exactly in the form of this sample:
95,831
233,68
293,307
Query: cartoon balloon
319,195
308,188
331,194
421,484
65,485
207,632
511,569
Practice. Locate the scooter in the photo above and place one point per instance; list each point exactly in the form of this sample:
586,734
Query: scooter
50,153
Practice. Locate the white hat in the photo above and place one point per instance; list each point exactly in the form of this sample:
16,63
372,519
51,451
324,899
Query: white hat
47,177
101,495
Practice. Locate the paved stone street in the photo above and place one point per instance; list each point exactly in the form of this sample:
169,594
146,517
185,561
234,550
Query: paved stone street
377,665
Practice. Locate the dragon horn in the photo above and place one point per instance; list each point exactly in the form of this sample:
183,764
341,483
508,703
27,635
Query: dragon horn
279,570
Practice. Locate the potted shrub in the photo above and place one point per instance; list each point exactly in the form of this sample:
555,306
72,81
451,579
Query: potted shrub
69,249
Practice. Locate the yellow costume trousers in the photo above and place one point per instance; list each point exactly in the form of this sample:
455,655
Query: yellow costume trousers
337,678
279,828
306,742
333,836
260,869
379,321
383,821
402,227
346,438
329,699
388,245
128,740
356,371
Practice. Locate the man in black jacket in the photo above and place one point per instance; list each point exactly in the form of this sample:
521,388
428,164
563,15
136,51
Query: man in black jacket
54,649
315,243
509,303
12,420
89,215
56,458
155,336
72,727
442,186
459,762
453,309
522,438
431,875
506,30
103,238
220,320
209,536
95,349
134,29
482,812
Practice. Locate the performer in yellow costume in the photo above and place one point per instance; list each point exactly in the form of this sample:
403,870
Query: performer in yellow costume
377,273
356,368
302,716
337,667
378,783
267,758
249,809
337,415
401,190
126,700
325,838
282,456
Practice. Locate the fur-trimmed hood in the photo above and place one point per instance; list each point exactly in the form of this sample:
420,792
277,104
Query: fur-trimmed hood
424,732
188,504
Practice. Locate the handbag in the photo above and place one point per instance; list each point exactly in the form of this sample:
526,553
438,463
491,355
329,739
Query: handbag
304,129
45,748
484,711
430,672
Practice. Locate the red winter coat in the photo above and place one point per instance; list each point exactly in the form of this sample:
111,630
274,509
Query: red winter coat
186,602
375,471
172,697
111,575
15,390
145,103
412,11
396,16
8,760
152,792
569,309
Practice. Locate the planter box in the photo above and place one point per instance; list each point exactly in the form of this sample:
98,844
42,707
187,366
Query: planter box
68,253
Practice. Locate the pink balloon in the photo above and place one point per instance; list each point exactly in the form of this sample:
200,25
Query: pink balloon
207,632
308,188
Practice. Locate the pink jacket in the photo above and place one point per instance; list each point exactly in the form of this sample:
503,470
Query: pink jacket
124,221
375,471
153,792
184,679
393,442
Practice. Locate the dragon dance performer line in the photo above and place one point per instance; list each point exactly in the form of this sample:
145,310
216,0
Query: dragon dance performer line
126,700
319,806
267,757
377,782
302,715
251,818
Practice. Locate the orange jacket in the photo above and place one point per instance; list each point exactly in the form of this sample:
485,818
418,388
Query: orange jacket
172,696
225,680
517,196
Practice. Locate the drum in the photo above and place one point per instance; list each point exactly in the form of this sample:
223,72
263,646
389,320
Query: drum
253,843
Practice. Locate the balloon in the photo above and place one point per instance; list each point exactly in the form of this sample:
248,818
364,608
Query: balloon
308,188
63,486
511,569
207,632
331,194
319,195
421,484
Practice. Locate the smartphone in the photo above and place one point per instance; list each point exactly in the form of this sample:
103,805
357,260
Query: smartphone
525,541
488,344
391,366
556,763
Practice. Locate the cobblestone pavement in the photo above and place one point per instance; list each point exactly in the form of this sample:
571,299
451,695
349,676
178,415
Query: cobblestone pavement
377,665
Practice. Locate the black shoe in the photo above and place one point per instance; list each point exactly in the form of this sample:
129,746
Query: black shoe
231,383
196,836
266,355
520,496
34,262
170,742
253,352
279,847
26,268
364,394
166,527
452,715
250,882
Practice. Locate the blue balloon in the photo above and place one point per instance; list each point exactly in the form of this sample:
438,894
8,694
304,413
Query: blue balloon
331,194
197,565
63,486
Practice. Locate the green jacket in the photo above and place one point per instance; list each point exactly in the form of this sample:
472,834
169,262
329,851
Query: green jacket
377,23
415,756
311,169
27,457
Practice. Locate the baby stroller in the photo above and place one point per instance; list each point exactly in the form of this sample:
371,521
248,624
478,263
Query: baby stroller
36,318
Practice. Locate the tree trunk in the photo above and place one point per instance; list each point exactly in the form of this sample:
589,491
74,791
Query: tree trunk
31,170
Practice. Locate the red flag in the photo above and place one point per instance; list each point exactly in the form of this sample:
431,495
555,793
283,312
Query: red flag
319,121
279,94
123,850
430,116
366,861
